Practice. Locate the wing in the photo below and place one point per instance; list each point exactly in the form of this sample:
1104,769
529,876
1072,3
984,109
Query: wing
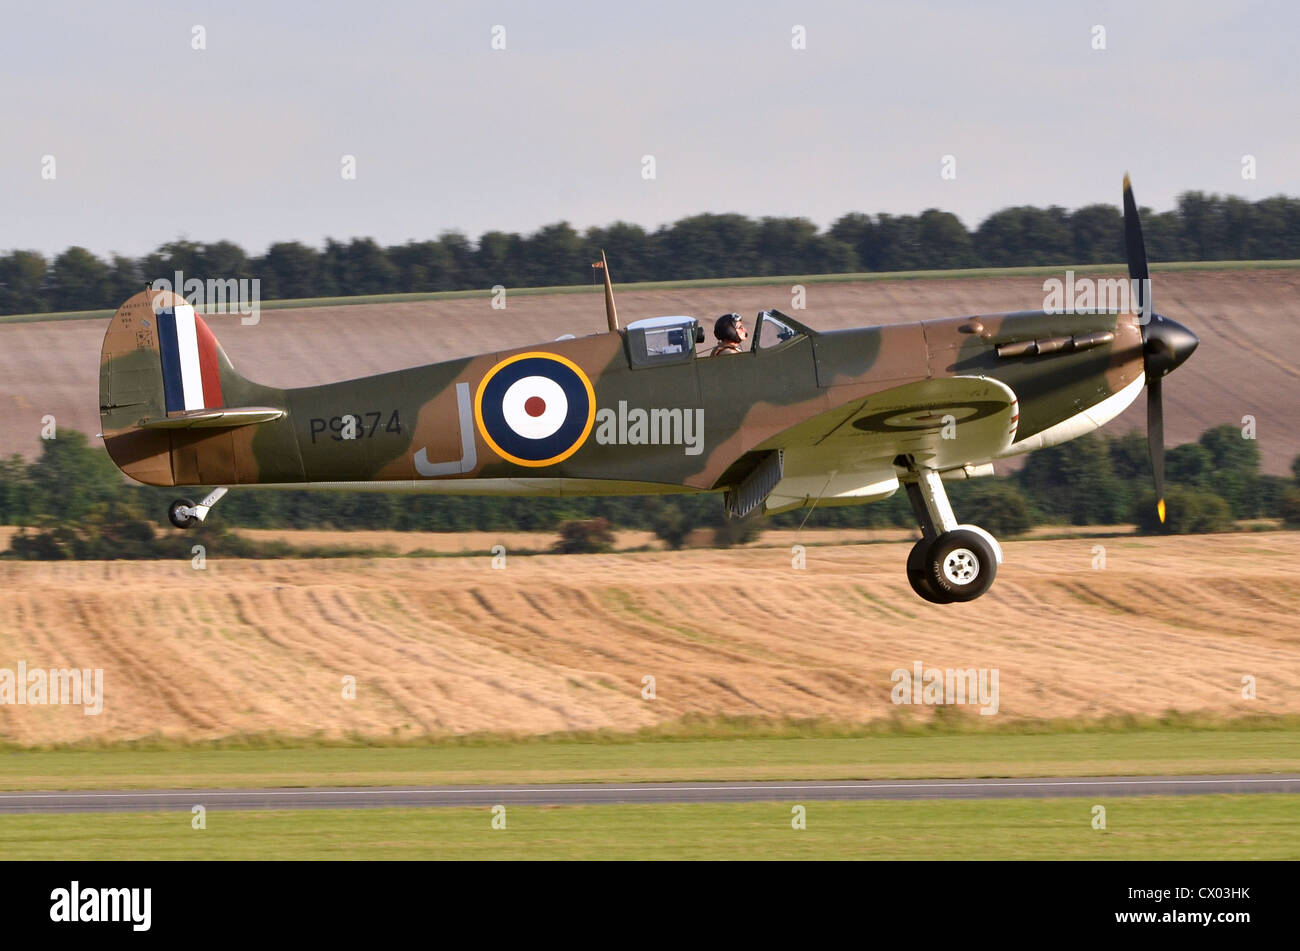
847,454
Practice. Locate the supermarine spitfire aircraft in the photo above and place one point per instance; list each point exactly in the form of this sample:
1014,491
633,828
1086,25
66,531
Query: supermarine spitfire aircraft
803,417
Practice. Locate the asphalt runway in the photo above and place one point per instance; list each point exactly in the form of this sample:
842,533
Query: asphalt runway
586,794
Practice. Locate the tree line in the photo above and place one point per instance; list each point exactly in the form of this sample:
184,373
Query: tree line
1200,228
72,502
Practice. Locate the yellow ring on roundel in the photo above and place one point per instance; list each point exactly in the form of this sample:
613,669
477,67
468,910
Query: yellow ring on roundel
577,444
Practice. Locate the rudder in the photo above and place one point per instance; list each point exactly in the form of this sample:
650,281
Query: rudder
161,370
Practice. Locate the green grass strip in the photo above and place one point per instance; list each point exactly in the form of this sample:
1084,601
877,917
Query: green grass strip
662,758
1167,827
594,289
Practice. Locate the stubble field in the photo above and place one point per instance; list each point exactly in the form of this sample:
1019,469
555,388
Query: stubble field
552,643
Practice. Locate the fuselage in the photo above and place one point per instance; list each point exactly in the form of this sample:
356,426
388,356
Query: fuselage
669,428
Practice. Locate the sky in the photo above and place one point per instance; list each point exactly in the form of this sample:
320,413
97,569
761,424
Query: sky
154,140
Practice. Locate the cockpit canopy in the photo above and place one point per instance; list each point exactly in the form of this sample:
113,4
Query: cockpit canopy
665,341
662,341
774,328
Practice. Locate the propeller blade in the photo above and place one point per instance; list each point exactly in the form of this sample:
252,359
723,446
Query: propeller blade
1135,250
1156,440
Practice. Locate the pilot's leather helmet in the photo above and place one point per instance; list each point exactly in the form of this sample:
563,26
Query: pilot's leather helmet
724,328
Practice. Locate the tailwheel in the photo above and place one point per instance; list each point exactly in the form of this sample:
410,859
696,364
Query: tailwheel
960,565
181,513
918,574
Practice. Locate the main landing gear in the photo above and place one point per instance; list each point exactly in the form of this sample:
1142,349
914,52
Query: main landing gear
183,513
951,562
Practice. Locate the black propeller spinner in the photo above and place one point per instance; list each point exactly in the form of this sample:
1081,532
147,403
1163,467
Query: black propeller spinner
1165,343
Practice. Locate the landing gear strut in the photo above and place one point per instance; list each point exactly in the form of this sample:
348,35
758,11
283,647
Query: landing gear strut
183,513
951,562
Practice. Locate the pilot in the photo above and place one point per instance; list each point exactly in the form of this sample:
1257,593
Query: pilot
730,331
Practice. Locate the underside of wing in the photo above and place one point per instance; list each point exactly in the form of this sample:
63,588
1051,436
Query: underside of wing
848,454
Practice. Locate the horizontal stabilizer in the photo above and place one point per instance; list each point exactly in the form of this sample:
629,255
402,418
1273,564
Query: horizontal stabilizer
214,418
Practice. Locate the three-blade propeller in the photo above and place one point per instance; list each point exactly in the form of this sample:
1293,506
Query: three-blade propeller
1165,343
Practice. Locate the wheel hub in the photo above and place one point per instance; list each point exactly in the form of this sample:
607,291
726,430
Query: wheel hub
961,566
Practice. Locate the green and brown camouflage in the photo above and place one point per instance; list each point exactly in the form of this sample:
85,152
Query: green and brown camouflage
747,401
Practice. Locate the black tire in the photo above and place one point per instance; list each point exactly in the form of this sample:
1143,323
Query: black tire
918,573
176,518
961,565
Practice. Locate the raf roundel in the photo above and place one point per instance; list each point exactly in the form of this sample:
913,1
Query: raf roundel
535,409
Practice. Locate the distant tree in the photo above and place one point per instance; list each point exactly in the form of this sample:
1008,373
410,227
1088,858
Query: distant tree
360,510
834,256
1268,497
119,530
1098,233
423,266
22,283
180,255
1075,481
500,257
1228,449
669,523
78,280
997,239
464,274
1234,462
1242,239
1203,225
786,246
1165,236
898,243
997,506
945,239
1290,508
1187,511
737,531
858,232
360,267
1046,235
292,270
633,254
332,277
124,280
47,543
224,260
1190,465
1278,220
69,479
1026,236
1130,458
584,536
13,490
709,246
553,256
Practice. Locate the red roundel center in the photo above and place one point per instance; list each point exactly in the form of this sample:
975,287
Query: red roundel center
535,406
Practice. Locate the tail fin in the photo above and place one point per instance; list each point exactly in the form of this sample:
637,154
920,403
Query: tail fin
161,370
